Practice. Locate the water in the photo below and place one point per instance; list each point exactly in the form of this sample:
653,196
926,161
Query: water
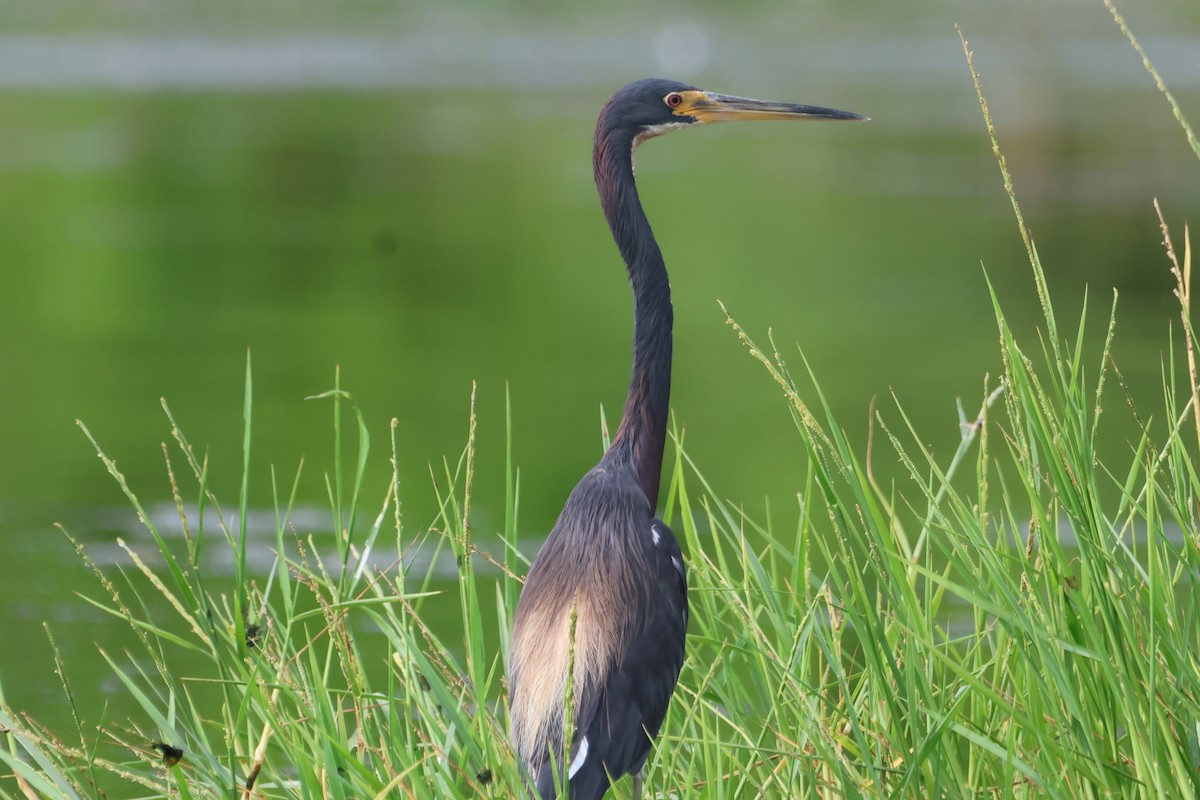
410,199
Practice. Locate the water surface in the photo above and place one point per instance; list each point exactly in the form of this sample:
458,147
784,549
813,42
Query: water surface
410,199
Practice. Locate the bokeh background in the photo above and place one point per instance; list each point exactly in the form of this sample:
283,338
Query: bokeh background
405,191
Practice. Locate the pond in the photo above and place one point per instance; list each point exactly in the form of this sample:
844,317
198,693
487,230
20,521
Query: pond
409,199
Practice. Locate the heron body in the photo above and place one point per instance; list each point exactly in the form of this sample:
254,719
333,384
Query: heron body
610,573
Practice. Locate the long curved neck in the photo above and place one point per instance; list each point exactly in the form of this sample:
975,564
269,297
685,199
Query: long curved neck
642,433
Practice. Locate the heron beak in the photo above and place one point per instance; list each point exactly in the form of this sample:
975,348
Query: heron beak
709,107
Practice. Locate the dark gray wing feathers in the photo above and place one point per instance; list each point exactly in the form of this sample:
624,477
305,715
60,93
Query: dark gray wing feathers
617,724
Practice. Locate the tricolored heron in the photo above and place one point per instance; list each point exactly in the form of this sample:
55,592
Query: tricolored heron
610,573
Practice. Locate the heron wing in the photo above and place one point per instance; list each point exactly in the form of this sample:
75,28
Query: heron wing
617,723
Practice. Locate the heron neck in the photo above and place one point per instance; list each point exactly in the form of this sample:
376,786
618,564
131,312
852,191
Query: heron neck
642,433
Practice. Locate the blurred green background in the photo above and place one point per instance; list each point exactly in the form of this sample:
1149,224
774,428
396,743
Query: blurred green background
405,190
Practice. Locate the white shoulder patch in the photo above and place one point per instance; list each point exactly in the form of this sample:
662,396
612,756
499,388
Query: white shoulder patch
655,534
580,757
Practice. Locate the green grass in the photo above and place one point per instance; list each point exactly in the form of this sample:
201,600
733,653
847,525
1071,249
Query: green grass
1018,620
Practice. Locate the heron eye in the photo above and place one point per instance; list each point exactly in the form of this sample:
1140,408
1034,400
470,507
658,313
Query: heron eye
673,99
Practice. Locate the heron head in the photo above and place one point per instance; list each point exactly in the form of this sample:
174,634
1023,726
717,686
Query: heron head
654,106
